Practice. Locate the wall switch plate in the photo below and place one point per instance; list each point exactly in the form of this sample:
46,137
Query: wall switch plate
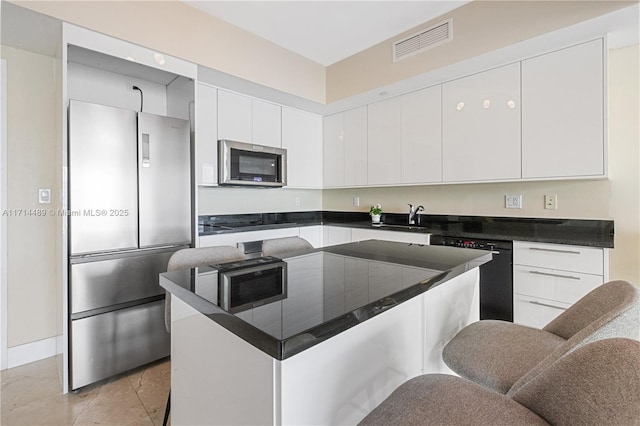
513,201
356,201
44,196
551,202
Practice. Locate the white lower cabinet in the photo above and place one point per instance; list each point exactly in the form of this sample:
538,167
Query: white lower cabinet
313,234
333,235
358,234
240,237
549,278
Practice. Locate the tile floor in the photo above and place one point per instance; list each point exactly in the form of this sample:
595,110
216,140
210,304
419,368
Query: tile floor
32,395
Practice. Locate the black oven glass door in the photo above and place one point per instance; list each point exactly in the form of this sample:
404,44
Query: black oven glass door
252,287
255,166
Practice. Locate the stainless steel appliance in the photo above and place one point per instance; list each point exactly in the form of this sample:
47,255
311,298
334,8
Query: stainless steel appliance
129,210
249,164
251,283
496,277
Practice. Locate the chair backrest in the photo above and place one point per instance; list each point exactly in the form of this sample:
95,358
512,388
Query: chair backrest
596,384
610,310
193,258
283,246
610,304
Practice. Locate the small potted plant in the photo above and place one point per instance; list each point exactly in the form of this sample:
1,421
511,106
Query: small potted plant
374,212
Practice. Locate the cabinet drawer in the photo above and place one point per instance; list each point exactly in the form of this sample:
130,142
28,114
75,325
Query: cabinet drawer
535,312
587,260
552,284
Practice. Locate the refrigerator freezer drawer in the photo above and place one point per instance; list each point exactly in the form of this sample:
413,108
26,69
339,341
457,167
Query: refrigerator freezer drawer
117,341
103,193
102,283
165,180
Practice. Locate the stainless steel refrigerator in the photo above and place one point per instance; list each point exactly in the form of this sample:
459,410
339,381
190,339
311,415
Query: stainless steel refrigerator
129,210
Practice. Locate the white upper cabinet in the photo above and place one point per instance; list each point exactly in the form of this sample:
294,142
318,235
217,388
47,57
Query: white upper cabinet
481,126
235,117
333,151
302,138
563,113
385,140
267,122
422,136
244,119
345,149
355,147
206,140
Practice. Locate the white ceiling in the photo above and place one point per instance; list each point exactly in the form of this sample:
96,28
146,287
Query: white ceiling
326,31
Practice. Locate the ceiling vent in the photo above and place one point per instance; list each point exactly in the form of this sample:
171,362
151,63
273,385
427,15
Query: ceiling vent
424,40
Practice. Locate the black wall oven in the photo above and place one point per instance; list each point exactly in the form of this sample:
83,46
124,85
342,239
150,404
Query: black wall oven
496,277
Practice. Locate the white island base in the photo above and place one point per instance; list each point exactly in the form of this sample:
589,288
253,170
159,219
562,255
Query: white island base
218,378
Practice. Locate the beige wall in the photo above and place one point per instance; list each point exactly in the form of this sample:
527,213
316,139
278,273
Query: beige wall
624,160
617,198
33,242
182,31
478,27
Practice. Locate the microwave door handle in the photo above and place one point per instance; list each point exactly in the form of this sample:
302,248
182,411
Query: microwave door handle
146,159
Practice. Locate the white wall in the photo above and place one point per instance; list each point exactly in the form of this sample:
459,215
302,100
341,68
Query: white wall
248,200
90,84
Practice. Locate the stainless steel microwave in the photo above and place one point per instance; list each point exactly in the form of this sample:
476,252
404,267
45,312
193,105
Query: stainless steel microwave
251,283
247,164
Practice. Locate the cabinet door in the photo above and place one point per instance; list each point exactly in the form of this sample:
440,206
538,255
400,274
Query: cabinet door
334,235
235,117
422,136
206,141
384,147
333,151
313,234
359,234
267,121
302,138
481,126
355,147
563,113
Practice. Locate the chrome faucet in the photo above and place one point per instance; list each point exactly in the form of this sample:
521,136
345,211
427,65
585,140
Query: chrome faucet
413,212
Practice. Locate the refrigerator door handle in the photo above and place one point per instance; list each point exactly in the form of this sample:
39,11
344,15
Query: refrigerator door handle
146,160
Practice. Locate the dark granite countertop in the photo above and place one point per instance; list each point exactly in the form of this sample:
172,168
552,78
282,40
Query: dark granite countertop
319,303
581,232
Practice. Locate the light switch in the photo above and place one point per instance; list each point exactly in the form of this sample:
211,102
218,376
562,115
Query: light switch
513,201
44,196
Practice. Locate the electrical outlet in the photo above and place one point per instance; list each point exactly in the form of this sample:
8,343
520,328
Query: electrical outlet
129,86
297,201
551,202
513,201
356,201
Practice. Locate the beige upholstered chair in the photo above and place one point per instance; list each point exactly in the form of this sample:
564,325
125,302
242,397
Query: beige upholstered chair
497,354
280,247
597,384
194,257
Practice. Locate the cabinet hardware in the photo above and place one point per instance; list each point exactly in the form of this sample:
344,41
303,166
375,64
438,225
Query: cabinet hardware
570,277
555,250
535,302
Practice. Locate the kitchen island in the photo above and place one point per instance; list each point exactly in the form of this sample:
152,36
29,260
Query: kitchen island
322,338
